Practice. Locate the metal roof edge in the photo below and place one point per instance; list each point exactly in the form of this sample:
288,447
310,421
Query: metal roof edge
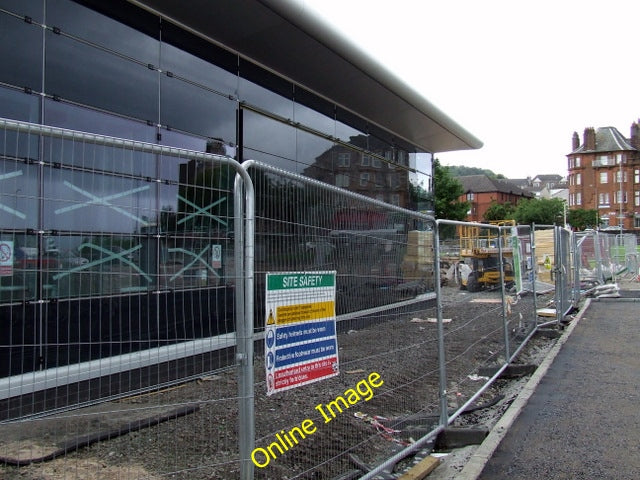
298,13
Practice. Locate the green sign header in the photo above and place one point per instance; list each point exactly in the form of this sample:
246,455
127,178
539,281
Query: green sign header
286,281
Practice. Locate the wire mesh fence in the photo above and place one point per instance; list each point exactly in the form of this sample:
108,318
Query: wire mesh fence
489,307
137,292
386,364
118,306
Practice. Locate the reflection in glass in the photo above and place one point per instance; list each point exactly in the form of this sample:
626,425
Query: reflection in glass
84,74
187,67
421,182
87,24
80,201
21,48
264,99
16,105
18,278
18,193
60,114
313,119
267,136
196,110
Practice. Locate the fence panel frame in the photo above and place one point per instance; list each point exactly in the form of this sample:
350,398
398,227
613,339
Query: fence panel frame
244,209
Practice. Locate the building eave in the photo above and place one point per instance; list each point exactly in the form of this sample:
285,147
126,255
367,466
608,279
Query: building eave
284,37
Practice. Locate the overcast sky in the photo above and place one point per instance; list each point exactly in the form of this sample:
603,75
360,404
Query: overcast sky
520,76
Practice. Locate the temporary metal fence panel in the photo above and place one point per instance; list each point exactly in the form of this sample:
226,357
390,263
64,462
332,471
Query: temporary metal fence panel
588,258
160,286
563,272
627,251
387,385
119,279
488,306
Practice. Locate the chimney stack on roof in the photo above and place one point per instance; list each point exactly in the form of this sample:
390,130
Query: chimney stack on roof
575,142
635,135
589,138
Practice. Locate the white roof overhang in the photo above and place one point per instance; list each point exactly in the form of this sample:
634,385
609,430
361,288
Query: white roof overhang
284,37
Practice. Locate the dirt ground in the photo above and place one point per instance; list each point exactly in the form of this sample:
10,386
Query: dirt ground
200,442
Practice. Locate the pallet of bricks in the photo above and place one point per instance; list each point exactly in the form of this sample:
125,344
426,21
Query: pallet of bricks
417,264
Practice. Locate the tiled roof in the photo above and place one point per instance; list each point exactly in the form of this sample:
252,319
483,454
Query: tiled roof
608,139
482,183
548,178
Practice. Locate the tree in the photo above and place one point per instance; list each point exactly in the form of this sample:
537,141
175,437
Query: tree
582,219
499,211
447,193
541,211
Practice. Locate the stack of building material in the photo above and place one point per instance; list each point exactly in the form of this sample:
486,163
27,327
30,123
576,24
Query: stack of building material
545,258
419,260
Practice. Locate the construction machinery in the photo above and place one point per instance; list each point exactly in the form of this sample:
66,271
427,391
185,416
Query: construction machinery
480,251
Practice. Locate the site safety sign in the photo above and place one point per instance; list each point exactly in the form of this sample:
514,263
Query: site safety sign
301,345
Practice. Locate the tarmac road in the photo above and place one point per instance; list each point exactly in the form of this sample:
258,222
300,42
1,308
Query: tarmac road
583,419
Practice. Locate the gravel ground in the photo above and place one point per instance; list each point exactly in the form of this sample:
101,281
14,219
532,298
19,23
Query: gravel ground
202,444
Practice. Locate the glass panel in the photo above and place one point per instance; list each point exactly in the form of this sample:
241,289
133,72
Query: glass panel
60,114
18,105
170,167
21,46
420,182
88,202
268,140
196,70
18,194
313,119
204,199
314,154
78,21
90,76
82,154
265,99
102,264
29,8
19,280
196,110
198,216
345,133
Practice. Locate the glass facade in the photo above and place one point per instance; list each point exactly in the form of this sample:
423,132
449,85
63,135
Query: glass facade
88,223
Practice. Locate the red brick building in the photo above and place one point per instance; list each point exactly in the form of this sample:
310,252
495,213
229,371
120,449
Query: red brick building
481,191
604,175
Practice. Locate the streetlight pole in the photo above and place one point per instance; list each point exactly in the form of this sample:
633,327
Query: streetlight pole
621,196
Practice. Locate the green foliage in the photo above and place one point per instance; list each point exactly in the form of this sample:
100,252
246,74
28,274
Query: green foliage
446,198
447,193
582,219
420,199
462,171
499,211
541,211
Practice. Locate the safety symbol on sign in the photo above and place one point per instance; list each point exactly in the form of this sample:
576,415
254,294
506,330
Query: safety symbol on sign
270,360
216,256
6,258
271,320
271,338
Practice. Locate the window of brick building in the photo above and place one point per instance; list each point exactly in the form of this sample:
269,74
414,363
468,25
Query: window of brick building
604,177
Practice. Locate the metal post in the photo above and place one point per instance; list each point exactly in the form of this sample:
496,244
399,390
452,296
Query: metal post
558,273
597,252
244,257
534,267
441,351
504,296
